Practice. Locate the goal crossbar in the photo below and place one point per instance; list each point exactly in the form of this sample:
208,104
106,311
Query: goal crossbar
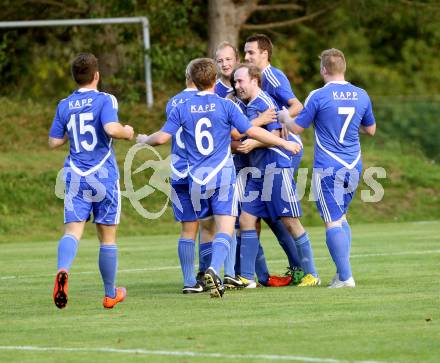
99,21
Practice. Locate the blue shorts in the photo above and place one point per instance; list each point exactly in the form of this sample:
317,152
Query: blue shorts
334,191
276,195
222,200
181,201
102,198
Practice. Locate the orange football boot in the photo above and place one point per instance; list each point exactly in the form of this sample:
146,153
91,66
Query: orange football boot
110,302
278,281
60,289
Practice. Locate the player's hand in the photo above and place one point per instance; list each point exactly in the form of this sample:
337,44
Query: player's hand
293,147
141,138
129,132
247,146
268,116
283,116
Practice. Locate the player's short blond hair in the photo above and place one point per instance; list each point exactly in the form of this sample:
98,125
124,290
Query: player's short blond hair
187,72
333,60
225,44
203,73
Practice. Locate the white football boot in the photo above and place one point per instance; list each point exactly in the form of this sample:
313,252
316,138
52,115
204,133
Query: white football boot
338,283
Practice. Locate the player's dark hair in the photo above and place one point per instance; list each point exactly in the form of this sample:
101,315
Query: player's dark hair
253,71
333,60
264,43
84,67
203,73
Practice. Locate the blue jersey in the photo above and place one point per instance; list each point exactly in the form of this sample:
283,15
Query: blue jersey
275,83
179,162
221,89
82,116
240,160
261,157
337,110
207,121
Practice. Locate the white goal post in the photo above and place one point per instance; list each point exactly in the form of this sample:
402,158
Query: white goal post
99,21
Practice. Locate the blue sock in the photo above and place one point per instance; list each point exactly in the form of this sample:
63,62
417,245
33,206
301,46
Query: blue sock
230,258
261,267
205,255
237,267
108,265
285,240
306,252
186,252
67,247
337,243
347,230
248,253
220,248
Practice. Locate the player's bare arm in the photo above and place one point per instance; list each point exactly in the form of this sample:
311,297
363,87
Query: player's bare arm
54,142
264,118
295,107
368,130
158,138
248,145
117,131
267,137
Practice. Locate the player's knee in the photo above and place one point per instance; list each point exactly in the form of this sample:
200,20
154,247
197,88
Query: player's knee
332,224
189,230
294,226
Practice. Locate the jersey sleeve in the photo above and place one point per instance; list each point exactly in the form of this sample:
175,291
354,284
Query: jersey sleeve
57,129
238,119
283,90
173,122
169,107
308,113
109,112
368,118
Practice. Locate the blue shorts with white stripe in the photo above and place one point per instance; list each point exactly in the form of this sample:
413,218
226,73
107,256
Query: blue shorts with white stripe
334,191
276,195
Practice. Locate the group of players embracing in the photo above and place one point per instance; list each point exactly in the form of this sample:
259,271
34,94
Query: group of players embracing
250,109
235,150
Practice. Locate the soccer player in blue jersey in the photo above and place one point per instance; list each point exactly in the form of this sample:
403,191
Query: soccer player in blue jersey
207,121
338,111
88,119
226,58
276,199
181,200
258,51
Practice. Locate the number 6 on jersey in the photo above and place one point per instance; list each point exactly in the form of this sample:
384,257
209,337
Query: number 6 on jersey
205,134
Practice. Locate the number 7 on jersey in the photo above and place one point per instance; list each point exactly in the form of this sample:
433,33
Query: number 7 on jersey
349,111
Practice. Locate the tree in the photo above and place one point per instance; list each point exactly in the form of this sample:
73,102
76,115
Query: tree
228,17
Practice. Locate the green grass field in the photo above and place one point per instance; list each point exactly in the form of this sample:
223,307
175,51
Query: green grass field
392,316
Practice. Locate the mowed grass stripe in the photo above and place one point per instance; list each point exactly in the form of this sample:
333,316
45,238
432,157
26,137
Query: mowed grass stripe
165,268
